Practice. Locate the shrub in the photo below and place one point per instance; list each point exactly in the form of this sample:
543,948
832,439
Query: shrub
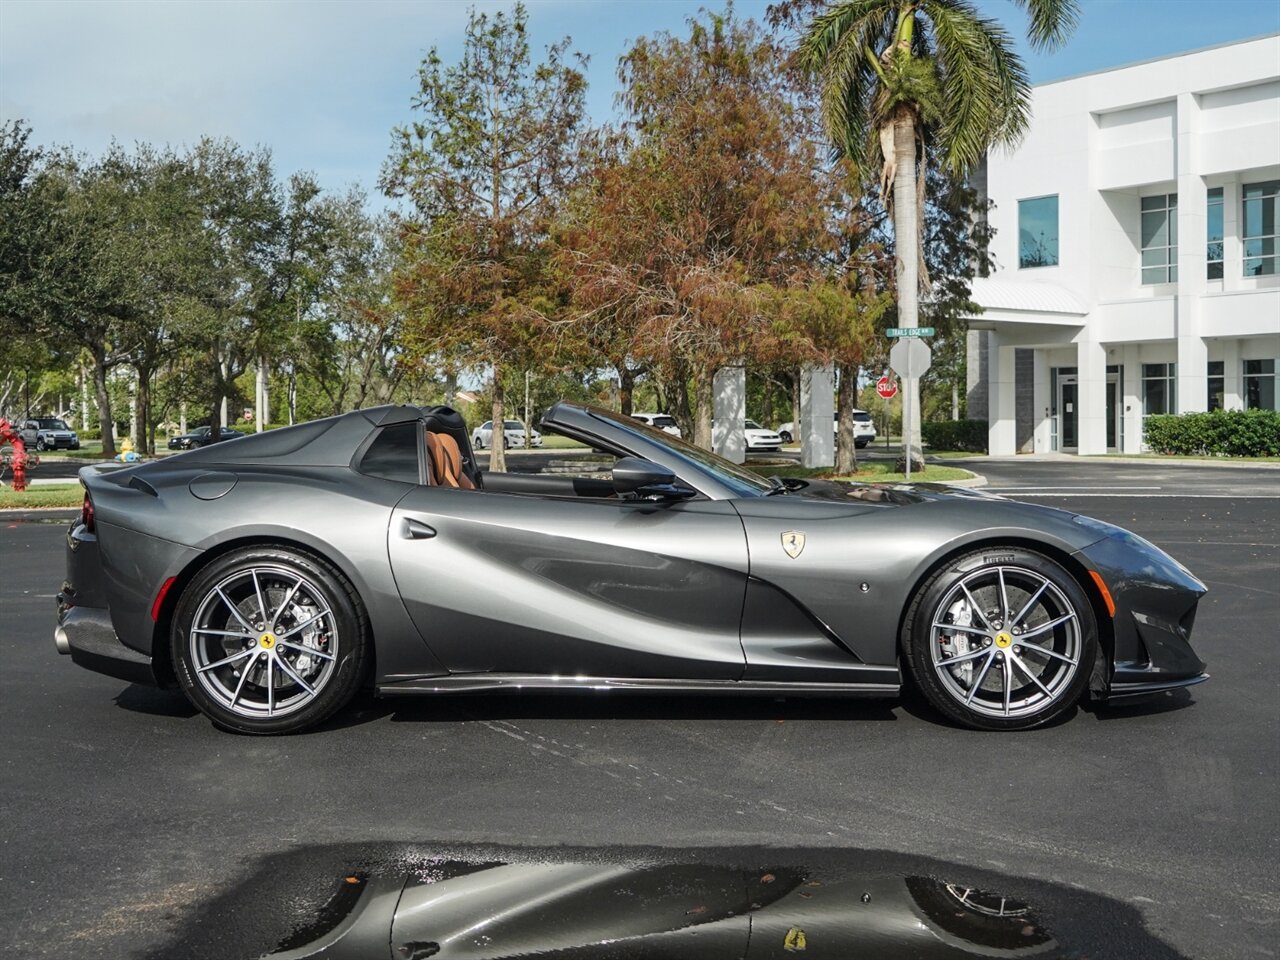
1222,433
967,435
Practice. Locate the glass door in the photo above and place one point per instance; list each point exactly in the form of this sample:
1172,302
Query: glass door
1068,412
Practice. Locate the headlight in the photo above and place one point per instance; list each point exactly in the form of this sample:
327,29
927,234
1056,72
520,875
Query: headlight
1111,531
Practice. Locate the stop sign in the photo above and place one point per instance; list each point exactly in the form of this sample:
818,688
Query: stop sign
886,387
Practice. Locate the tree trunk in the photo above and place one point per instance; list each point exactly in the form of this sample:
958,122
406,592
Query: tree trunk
142,439
626,388
795,406
104,402
846,397
260,396
955,401
676,401
497,439
703,404
906,238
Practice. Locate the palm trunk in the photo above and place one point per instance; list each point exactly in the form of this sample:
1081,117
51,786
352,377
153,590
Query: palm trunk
846,455
906,236
497,439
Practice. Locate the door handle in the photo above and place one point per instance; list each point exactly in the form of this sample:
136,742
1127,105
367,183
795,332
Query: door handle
416,530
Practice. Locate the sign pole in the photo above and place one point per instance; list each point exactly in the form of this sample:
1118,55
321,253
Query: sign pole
906,433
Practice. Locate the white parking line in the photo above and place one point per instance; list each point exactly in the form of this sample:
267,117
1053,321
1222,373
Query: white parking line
1121,494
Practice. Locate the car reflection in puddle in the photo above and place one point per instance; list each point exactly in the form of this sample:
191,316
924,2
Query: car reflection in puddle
413,906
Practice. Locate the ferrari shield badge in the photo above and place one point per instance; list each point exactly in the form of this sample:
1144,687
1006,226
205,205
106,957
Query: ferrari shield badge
793,543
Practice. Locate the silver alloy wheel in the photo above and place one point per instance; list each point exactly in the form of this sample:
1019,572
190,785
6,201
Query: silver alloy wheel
1005,642
263,642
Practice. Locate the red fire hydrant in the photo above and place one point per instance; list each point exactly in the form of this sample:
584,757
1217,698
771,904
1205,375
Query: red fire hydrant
10,435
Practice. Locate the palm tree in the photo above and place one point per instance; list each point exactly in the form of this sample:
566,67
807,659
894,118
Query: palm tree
896,74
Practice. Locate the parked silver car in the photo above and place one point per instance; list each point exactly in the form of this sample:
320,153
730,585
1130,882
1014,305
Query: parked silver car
512,434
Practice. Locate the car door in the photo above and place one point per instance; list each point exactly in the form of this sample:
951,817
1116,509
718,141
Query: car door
567,586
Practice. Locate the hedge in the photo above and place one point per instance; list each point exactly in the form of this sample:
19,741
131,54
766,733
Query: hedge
1222,433
967,435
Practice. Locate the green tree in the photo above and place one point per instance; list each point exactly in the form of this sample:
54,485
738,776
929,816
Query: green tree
896,74
484,165
715,206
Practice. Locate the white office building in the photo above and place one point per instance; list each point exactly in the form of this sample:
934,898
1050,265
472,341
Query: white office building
1137,269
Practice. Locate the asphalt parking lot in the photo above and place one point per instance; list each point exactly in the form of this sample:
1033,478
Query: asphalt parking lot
133,828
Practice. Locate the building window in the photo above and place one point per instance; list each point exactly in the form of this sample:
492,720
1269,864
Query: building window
1259,384
1038,232
1217,385
1159,388
1213,253
1160,238
1260,228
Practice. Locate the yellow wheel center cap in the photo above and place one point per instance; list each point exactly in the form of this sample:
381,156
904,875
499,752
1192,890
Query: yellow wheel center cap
268,640
1003,640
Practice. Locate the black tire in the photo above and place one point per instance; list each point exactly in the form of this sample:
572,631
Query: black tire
1047,652
194,444
327,663
506,444
40,444
786,437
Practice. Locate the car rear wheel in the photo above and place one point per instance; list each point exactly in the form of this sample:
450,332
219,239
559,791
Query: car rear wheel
1003,638
269,640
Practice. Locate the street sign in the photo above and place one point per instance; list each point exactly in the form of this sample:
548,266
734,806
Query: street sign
910,332
910,357
886,387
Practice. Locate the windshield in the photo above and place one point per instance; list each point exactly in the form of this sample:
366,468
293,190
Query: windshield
752,425
514,424
664,421
742,481
50,424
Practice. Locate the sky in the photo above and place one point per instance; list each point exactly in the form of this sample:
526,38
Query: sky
323,83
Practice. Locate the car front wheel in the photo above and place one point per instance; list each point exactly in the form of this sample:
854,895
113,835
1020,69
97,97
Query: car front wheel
1002,638
40,444
786,437
269,640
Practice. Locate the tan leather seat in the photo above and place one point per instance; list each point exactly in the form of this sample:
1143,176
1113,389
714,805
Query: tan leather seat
446,462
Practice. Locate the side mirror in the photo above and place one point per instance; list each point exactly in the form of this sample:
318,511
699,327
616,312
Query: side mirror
631,475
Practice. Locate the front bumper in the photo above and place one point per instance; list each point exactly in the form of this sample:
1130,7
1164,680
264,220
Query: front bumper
1155,610
87,636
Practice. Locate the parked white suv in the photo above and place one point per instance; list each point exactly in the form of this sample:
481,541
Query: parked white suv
512,433
663,421
864,429
49,433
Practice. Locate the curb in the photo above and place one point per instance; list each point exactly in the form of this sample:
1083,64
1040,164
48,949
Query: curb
40,514
1120,461
977,480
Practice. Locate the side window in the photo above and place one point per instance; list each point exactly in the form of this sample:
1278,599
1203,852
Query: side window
393,455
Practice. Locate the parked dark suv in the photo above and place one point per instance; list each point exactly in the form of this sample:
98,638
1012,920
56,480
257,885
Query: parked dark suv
49,433
199,437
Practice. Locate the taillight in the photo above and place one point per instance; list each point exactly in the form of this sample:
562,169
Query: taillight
86,514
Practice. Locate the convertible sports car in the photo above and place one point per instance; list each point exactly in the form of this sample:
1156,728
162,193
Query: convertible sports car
271,577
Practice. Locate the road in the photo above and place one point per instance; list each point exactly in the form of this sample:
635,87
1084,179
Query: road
133,828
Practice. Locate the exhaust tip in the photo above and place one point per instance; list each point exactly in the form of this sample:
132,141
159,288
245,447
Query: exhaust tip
61,640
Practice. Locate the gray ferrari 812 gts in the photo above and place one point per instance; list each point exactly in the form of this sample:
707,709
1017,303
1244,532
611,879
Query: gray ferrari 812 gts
272,577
